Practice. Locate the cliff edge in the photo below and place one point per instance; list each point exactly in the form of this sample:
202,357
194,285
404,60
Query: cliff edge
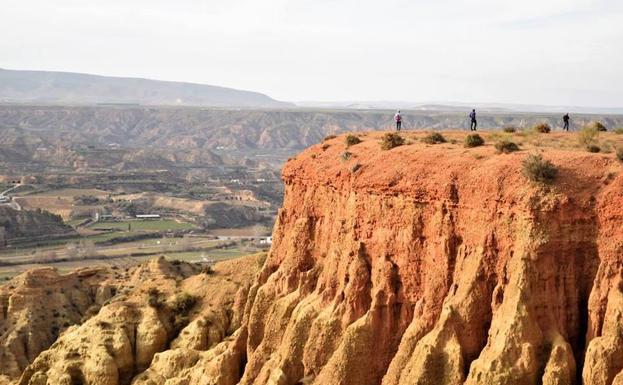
427,264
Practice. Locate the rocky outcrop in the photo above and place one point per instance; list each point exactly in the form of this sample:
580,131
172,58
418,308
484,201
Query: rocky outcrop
37,306
414,266
114,322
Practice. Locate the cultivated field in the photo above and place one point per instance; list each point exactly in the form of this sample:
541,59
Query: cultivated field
60,202
89,251
143,225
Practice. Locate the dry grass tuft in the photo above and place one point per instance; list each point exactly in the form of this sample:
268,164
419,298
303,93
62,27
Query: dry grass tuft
542,128
352,140
474,140
539,170
588,136
599,126
506,146
391,140
434,138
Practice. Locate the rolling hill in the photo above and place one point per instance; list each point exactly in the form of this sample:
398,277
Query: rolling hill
75,88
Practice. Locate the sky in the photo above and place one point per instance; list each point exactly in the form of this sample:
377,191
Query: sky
551,52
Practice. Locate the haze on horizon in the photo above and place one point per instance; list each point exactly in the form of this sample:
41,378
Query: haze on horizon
554,52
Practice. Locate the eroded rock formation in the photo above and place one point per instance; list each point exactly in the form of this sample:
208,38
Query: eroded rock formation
111,323
419,265
40,304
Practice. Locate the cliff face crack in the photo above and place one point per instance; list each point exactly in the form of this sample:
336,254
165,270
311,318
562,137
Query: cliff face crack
4,303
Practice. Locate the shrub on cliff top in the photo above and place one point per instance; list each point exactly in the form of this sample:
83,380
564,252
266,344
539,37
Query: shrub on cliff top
509,129
620,154
391,140
593,148
506,146
537,169
434,138
588,136
543,128
352,140
329,137
618,131
599,126
474,140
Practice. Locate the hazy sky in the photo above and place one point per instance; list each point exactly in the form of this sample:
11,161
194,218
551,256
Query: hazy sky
558,52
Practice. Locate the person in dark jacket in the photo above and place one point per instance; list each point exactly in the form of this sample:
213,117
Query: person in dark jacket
474,123
565,120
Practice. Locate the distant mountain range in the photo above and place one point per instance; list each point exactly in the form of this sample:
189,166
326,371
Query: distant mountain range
68,88
448,106
182,134
47,87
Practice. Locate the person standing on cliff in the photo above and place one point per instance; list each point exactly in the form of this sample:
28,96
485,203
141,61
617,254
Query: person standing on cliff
398,119
565,120
474,123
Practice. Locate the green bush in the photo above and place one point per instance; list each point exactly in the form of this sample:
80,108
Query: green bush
618,131
474,140
434,138
506,146
391,140
509,129
620,154
352,140
537,169
593,148
543,128
346,155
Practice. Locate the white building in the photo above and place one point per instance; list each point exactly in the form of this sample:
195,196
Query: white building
102,217
148,216
266,241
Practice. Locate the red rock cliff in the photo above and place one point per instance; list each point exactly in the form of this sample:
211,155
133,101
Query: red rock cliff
429,265
440,265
